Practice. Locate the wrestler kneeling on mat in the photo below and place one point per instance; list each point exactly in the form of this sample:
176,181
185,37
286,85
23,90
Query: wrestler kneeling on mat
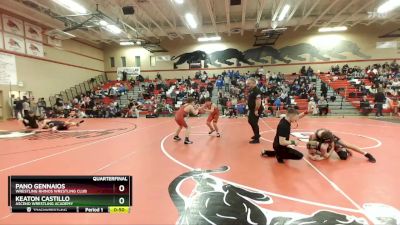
324,142
180,117
212,117
57,125
282,144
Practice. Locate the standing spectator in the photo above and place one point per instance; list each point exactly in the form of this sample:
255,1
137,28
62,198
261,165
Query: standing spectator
260,72
41,106
159,76
312,107
210,88
324,90
379,100
25,107
18,108
34,106
222,101
277,104
303,70
219,83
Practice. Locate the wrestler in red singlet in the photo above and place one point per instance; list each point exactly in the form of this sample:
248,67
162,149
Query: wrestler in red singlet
213,117
180,115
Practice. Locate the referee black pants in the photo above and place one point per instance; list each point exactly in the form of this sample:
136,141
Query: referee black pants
284,152
253,121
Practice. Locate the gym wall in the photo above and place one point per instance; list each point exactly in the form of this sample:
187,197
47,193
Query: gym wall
357,46
59,69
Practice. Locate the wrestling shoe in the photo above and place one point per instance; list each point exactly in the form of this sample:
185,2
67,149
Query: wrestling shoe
218,135
177,138
268,153
279,159
370,158
187,142
255,141
212,131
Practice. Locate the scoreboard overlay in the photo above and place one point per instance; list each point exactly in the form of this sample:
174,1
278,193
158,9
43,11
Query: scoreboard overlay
70,194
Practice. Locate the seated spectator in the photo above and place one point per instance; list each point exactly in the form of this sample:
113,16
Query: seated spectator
365,106
323,106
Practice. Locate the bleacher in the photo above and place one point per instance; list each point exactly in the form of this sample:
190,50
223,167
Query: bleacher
352,93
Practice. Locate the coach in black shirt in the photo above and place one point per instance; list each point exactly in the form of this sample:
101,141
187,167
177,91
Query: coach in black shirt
282,138
255,108
282,142
30,120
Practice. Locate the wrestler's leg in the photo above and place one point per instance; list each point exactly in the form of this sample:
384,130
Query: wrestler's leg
216,127
357,149
187,133
209,126
176,137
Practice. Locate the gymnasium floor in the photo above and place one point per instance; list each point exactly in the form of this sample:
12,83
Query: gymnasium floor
250,190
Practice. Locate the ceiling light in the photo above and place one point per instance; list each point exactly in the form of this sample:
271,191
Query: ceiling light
190,20
179,1
138,42
124,43
388,6
113,29
204,39
103,23
72,6
284,12
332,29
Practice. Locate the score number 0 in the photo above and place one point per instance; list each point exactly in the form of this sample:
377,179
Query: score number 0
121,200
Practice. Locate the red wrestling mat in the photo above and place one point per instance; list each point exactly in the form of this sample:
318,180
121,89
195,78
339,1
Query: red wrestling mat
175,183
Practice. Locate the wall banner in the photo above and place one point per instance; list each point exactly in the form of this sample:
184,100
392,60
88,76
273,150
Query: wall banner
13,25
34,48
130,71
33,32
8,69
14,43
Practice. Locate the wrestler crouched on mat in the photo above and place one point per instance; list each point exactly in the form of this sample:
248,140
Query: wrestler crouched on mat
323,142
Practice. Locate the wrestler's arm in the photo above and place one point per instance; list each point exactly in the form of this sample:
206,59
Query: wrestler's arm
193,110
208,110
303,114
284,142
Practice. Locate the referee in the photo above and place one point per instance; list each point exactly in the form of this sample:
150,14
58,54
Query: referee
255,108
